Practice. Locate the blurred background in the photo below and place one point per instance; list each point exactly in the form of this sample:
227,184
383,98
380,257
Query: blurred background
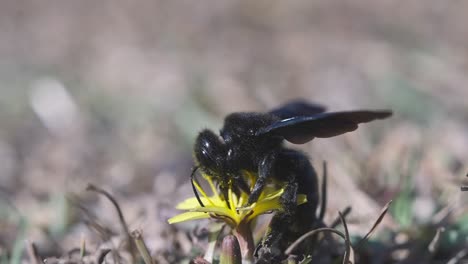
114,92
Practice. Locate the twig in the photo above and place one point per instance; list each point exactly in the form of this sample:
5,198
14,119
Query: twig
311,233
349,249
456,259
435,241
93,188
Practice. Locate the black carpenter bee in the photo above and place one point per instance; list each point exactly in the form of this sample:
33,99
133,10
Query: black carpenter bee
253,142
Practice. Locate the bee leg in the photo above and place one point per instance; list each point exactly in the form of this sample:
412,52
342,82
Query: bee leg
264,171
289,197
275,240
270,249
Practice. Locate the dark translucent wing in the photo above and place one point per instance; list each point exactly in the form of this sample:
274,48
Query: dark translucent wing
297,108
299,130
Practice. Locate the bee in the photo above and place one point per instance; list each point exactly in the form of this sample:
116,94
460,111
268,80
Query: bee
254,142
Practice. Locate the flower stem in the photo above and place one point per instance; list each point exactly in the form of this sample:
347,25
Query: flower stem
243,234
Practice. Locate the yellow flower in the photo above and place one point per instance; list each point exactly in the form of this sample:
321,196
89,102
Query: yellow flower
237,212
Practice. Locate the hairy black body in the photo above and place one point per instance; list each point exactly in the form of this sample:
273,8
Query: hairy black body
254,142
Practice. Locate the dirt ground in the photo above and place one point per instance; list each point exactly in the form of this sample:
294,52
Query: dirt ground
114,93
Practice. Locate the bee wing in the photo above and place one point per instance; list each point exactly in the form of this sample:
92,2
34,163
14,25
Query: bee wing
301,129
297,108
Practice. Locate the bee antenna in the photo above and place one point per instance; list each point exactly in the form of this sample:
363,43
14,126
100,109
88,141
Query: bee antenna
192,179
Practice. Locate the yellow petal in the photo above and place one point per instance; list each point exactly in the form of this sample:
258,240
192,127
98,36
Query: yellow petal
221,211
210,182
265,206
191,203
272,194
187,216
301,198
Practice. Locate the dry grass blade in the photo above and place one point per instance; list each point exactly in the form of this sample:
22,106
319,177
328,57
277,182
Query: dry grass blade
323,204
72,252
32,253
311,233
345,213
103,232
82,247
348,257
458,257
102,255
379,220
92,221
141,246
443,214
435,241
120,214
200,260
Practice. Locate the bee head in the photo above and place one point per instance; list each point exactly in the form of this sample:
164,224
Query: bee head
210,153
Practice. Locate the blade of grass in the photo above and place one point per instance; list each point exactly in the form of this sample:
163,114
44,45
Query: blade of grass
82,247
141,246
345,213
376,223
